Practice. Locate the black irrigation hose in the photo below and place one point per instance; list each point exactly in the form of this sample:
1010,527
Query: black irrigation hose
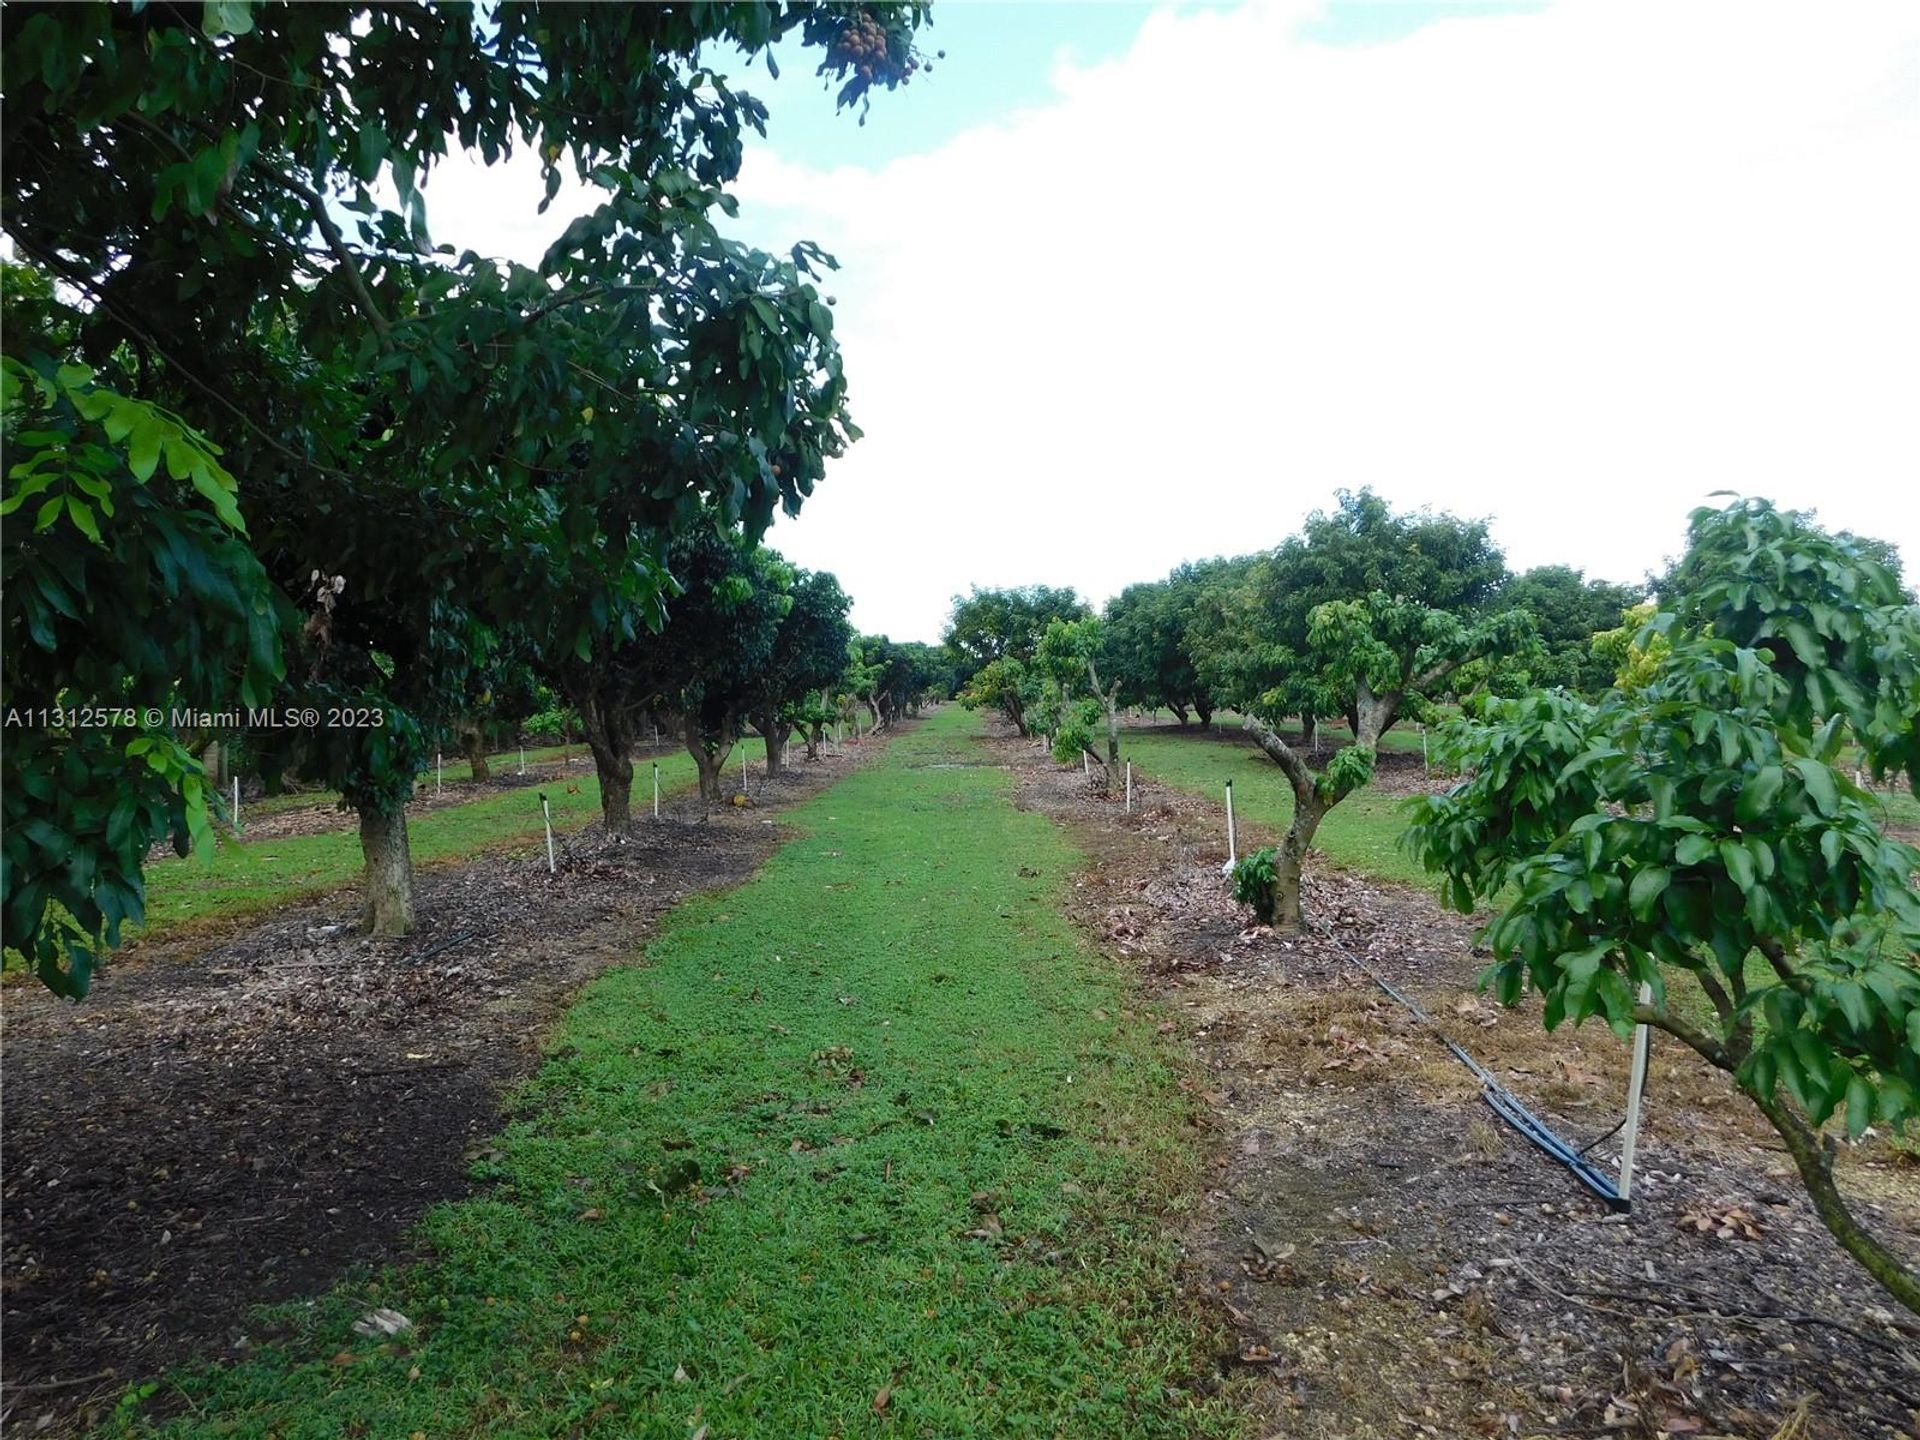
1501,1100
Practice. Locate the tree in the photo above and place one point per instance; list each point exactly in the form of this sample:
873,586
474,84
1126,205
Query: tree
1569,611
1371,653
993,636
989,625
1006,685
718,642
1150,640
1073,653
809,654
434,429
1690,855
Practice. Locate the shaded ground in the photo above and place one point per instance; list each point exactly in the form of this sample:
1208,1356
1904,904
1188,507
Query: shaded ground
225,1124
1397,1261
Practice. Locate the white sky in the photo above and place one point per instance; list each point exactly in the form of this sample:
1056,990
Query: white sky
1571,270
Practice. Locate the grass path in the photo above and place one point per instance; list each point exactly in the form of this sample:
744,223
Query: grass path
243,879
1361,833
872,1146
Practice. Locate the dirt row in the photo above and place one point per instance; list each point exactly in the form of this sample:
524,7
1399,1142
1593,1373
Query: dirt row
1396,1260
230,1123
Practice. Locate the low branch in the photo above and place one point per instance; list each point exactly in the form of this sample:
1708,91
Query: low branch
1298,772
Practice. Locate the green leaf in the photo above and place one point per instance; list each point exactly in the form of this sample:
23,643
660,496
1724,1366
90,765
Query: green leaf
1859,1107
1759,793
1739,864
143,448
1644,893
1820,784
82,517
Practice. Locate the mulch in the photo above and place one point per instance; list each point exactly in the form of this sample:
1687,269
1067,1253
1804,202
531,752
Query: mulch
235,1122
1396,1261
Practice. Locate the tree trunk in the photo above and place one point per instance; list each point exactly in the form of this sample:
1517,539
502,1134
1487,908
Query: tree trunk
776,737
611,747
1310,733
709,757
1180,714
1372,716
1290,860
1815,1164
815,734
383,841
1203,708
212,761
1310,807
474,746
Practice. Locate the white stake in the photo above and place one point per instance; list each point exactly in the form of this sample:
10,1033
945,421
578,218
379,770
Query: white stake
743,769
656,789
523,759
1233,847
546,814
436,772
1636,1084
236,803
1425,763
1086,764
1129,787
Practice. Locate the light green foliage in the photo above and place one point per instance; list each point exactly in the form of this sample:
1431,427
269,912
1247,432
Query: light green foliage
1702,818
1005,685
1632,651
1254,879
887,1082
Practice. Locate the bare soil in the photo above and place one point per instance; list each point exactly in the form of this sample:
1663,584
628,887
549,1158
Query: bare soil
234,1122
1396,1260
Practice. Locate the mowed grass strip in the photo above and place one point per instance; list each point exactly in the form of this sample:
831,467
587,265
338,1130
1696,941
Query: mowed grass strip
873,1146
251,878
502,762
1361,833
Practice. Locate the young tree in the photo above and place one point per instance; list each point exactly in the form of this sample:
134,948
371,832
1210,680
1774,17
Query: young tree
1073,653
1005,685
1372,653
1696,836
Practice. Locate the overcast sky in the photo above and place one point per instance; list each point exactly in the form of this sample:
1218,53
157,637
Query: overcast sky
1125,286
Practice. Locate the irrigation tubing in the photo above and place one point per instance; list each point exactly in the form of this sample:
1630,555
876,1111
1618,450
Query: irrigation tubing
1501,1100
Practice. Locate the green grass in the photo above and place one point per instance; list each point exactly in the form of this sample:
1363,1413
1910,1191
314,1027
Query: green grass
1332,732
503,762
1361,833
879,1118
245,878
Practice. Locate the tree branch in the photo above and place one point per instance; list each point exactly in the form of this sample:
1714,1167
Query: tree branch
1299,774
330,232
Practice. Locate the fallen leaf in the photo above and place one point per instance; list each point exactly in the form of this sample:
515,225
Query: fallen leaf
881,1400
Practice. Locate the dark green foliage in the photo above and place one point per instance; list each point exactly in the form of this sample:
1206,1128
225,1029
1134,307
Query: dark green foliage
1568,611
448,459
